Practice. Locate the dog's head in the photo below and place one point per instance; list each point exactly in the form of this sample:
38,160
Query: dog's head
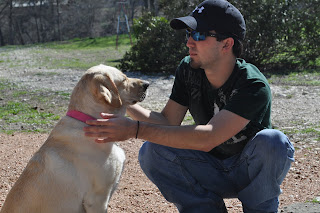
106,89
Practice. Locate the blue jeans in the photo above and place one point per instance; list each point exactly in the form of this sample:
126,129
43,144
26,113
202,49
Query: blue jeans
197,182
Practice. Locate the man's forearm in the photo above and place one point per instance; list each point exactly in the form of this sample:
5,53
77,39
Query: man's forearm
137,112
220,128
196,137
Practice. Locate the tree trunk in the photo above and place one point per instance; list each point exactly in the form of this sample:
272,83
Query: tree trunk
18,30
2,43
11,32
58,20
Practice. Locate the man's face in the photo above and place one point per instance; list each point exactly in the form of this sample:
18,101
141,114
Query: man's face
204,54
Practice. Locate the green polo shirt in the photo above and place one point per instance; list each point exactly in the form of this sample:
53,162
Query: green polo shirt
245,93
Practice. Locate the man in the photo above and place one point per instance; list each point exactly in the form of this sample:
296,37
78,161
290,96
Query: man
231,151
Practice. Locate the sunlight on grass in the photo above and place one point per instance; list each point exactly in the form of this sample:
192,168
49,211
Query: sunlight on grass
14,112
78,53
295,78
90,43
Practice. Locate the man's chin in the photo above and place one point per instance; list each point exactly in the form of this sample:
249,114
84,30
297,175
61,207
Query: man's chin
194,64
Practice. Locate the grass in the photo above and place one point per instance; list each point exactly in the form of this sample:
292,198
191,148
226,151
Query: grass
295,78
87,52
188,119
14,112
315,200
79,54
90,43
29,111
310,131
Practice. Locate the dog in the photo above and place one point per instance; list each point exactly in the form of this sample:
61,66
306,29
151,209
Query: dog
71,173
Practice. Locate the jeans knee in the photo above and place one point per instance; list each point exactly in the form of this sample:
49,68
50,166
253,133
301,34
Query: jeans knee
145,155
273,142
271,150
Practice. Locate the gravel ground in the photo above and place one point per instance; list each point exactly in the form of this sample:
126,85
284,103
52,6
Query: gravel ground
295,111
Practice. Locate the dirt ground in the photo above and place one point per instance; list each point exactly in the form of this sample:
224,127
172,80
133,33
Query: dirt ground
137,194
296,110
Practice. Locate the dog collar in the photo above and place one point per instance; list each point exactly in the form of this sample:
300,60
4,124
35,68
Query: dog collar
79,116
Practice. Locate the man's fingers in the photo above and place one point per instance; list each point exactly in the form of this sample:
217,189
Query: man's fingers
98,122
103,140
96,134
107,115
96,129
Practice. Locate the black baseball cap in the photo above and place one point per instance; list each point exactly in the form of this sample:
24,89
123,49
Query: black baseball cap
218,15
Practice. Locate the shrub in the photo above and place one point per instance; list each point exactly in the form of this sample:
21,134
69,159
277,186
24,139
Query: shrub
158,48
280,34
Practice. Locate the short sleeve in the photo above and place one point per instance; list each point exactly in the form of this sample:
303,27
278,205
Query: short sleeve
251,101
179,92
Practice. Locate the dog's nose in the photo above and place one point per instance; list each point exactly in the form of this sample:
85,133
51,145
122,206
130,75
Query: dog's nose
145,84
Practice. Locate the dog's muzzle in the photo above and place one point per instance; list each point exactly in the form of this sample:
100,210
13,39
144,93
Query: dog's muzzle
145,85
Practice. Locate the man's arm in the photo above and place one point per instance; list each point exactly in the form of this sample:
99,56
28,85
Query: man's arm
172,114
220,128
162,128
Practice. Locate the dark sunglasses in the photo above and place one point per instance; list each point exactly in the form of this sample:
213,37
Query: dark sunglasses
199,36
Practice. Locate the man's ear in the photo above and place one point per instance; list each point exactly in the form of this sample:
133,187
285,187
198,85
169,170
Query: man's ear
228,44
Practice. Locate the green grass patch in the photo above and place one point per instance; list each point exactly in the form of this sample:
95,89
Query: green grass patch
66,95
295,78
315,200
312,130
91,43
19,93
17,112
30,111
78,53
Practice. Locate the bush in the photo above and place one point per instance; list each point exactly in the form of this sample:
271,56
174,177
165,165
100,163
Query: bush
158,49
279,34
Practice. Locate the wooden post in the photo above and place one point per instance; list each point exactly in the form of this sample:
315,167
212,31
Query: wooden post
122,19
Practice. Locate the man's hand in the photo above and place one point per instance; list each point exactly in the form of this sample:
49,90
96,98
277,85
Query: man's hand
111,128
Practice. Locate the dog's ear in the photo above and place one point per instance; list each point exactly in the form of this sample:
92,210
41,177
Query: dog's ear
106,89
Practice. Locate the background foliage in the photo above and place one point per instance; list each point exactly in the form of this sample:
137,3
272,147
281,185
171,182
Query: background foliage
158,47
281,34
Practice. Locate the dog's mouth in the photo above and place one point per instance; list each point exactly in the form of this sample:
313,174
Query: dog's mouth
143,96
141,93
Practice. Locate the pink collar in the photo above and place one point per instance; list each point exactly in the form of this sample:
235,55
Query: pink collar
80,116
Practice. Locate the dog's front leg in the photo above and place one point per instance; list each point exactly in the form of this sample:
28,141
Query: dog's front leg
94,203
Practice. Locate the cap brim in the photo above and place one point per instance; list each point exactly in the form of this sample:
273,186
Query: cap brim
183,23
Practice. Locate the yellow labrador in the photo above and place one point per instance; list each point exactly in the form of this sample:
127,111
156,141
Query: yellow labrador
71,173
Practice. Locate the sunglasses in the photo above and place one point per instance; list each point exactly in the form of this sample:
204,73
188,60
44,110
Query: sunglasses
199,36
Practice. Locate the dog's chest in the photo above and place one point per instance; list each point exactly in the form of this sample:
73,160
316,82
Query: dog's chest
85,165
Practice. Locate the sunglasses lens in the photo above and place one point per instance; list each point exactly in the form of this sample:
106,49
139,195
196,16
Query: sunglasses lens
197,36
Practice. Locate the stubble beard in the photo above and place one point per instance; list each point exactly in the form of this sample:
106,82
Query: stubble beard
194,64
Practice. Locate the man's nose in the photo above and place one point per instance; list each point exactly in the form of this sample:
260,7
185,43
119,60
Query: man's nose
190,42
